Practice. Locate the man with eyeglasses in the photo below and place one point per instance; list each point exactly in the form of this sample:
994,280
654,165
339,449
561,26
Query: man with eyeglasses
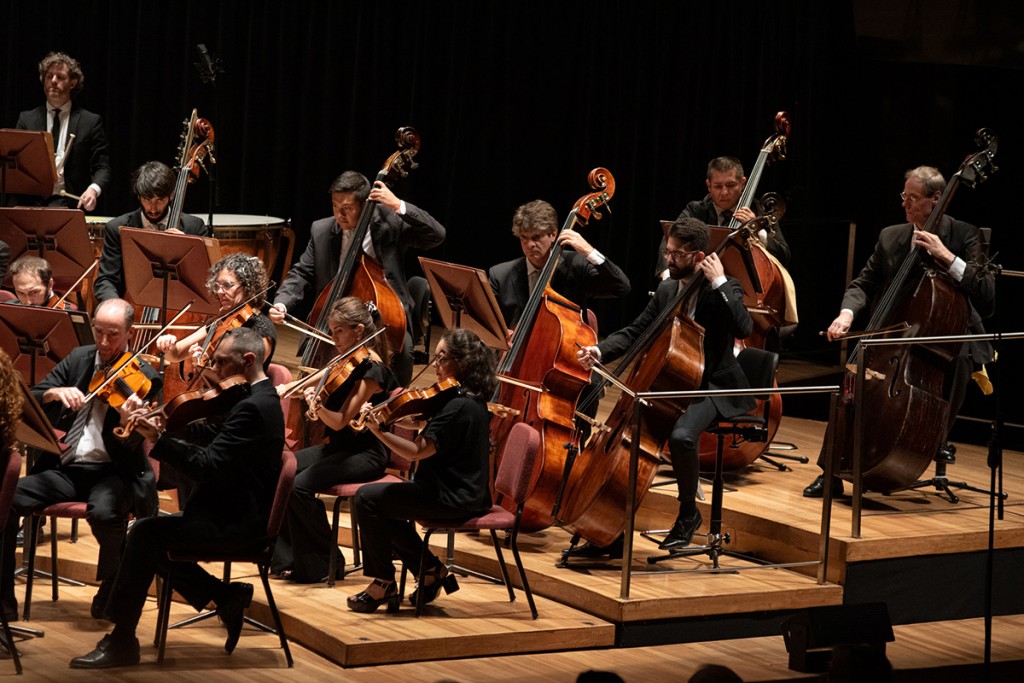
954,246
153,183
725,182
717,305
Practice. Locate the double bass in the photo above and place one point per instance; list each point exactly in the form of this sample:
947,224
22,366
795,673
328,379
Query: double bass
360,276
540,376
902,397
667,356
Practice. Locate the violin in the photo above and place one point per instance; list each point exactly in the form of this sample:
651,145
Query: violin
125,379
411,404
232,321
56,302
335,377
192,406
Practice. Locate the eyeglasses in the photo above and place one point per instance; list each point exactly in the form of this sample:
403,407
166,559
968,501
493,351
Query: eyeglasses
439,358
910,197
672,255
218,287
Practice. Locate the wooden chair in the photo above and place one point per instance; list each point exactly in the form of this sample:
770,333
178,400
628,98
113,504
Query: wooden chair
8,485
261,558
518,462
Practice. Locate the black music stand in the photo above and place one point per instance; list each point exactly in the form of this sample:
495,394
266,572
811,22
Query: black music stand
26,163
464,299
58,235
38,338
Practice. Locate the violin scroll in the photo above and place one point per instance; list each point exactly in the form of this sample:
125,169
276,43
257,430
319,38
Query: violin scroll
775,145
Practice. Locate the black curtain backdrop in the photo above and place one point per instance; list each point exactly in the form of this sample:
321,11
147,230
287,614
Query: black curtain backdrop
517,101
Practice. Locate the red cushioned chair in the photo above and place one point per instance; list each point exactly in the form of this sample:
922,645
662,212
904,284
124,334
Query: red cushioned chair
518,461
261,558
8,485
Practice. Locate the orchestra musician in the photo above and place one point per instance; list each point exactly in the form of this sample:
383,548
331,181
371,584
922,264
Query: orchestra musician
302,550
236,477
396,227
725,182
954,246
113,476
33,282
84,158
581,273
153,183
235,280
717,305
451,479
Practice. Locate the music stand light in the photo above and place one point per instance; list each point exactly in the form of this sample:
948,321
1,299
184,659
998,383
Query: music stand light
58,235
37,338
167,270
26,162
464,299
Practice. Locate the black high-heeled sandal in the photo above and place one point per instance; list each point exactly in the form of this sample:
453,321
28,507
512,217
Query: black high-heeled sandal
442,579
364,602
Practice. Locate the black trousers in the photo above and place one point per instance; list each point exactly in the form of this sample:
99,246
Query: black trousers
145,556
305,543
684,446
108,499
386,513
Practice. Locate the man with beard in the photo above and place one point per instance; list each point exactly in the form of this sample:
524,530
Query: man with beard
153,183
716,304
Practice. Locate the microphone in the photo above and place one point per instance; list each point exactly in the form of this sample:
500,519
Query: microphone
207,65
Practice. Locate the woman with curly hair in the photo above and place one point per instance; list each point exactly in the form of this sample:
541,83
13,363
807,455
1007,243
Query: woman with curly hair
451,480
235,279
10,402
303,549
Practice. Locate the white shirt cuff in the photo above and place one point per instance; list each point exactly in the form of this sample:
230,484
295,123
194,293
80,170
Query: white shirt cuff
596,257
957,267
401,207
96,188
718,282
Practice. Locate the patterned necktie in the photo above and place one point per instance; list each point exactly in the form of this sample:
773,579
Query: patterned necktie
74,434
726,217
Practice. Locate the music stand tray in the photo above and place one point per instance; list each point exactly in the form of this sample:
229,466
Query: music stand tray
37,339
464,298
34,429
27,162
58,235
167,270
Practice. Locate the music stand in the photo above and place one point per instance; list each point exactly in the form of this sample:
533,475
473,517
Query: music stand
167,270
26,162
38,338
35,429
58,235
464,299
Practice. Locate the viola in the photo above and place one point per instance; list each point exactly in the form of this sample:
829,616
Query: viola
359,275
411,404
192,406
234,319
335,378
124,380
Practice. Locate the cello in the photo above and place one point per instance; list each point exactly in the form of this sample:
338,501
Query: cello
902,395
539,375
667,356
360,276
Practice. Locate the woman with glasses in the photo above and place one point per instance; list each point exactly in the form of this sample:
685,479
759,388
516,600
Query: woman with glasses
236,280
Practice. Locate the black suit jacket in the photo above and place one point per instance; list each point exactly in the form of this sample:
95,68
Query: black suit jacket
392,235
128,456
110,279
575,278
724,318
236,474
88,160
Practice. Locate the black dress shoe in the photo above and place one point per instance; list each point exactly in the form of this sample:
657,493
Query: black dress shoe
232,610
366,603
816,489
109,654
682,532
98,610
589,550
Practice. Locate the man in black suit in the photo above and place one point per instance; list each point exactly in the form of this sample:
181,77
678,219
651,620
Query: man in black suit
236,477
581,273
87,166
112,475
396,227
153,183
725,182
718,307
954,246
